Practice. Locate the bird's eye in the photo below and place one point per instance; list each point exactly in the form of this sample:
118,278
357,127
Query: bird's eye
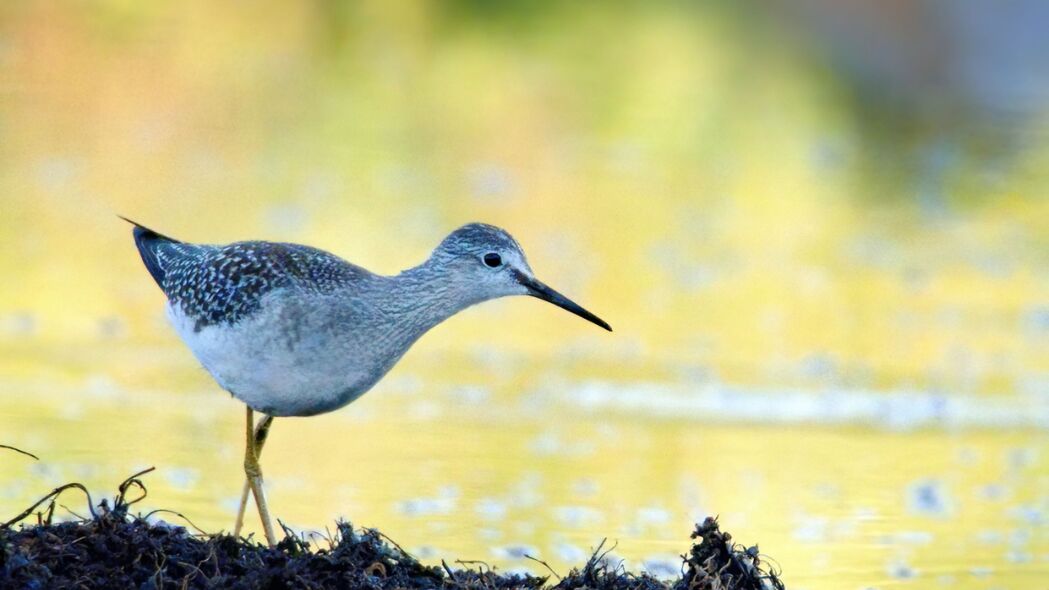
493,260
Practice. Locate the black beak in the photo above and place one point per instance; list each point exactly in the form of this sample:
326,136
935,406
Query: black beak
538,289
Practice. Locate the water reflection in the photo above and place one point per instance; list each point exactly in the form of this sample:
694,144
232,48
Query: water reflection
548,477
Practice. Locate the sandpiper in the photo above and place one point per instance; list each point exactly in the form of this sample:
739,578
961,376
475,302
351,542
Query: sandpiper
292,330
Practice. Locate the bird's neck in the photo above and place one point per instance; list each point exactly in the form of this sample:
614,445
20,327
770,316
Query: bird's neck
428,295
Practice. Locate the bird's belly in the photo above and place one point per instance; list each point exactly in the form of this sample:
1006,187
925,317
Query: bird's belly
275,374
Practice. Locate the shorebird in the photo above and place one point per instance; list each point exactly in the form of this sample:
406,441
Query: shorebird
292,330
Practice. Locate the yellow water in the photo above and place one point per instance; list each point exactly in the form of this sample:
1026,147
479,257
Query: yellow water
848,375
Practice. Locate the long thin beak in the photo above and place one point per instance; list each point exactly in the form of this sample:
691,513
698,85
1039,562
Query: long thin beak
538,289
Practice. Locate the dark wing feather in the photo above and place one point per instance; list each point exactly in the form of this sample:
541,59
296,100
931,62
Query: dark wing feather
150,244
223,284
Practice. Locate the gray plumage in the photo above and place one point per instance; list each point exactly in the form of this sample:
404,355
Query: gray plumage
294,331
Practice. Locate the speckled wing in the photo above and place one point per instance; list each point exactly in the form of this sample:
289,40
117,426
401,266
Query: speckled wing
224,284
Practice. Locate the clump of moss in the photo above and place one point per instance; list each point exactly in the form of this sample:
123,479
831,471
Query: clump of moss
716,563
113,548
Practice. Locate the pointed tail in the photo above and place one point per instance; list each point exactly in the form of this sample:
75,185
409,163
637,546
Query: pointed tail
149,244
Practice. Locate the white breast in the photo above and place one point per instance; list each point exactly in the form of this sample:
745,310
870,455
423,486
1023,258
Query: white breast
257,362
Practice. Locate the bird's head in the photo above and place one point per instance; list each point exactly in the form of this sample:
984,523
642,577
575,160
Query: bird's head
489,260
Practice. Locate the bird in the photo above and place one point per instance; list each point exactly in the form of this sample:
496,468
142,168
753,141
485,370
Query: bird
292,330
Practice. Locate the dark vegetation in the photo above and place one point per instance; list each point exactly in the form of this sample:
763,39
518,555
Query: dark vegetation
113,548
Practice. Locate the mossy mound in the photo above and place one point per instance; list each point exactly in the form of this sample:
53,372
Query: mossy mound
116,549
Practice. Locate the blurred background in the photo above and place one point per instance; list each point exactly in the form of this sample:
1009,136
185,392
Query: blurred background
819,228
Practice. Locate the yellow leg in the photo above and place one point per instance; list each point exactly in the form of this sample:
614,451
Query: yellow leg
261,432
254,474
